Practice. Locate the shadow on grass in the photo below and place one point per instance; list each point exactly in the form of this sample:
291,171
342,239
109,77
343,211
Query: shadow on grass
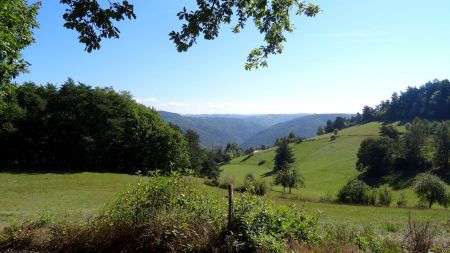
269,173
247,157
398,180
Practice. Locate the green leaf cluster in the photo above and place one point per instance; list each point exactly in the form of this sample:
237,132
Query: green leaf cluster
271,18
17,21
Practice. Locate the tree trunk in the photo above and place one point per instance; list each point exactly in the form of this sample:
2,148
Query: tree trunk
290,190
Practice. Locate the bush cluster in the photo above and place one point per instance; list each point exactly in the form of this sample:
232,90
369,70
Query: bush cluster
358,192
261,227
253,186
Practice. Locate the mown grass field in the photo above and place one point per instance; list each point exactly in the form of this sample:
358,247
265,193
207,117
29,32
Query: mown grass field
325,164
69,195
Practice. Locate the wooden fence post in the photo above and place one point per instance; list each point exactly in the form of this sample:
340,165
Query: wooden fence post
230,208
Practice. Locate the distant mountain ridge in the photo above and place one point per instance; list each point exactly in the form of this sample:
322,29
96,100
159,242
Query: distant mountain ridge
217,130
303,127
262,119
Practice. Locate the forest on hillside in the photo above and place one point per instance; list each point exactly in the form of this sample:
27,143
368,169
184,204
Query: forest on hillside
430,101
80,127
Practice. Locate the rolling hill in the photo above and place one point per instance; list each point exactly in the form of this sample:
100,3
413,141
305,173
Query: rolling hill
248,130
304,127
215,131
325,164
265,120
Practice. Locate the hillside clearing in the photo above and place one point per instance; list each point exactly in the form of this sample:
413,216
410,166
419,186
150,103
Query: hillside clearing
325,164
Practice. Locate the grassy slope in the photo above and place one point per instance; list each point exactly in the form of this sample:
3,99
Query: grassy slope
73,195
326,165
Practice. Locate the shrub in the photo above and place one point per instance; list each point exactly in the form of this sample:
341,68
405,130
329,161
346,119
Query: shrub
431,189
385,196
392,227
354,192
249,178
226,180
418,237
261,227
260,187
372,197
368,241
253,186
402,202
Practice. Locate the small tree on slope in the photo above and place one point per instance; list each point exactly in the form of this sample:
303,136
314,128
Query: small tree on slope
431,189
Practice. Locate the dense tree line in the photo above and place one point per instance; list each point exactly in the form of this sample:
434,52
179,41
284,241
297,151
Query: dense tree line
76,126
430,101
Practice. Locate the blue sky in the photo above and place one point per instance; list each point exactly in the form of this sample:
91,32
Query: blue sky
352,54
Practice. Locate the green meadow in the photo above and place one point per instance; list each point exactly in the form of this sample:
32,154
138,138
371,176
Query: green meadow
80,195
326,165
61,195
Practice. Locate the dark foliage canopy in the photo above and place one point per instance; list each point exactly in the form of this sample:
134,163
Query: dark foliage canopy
80,127
441,139
430,101
376,156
